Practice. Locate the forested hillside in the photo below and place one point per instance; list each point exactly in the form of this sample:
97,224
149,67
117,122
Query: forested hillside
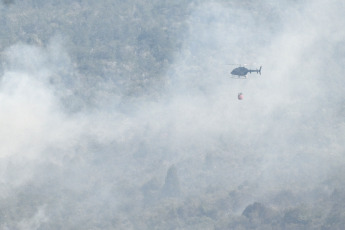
123,115
135,41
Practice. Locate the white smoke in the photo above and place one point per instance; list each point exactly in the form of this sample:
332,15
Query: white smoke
284,134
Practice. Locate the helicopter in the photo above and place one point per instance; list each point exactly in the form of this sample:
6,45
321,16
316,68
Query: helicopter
241,72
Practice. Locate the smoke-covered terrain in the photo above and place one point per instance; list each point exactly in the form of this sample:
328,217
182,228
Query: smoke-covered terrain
123,115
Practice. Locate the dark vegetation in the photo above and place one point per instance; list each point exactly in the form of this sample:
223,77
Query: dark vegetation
133,41
128,47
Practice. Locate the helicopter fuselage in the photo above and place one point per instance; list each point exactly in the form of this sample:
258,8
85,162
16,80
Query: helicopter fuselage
240,71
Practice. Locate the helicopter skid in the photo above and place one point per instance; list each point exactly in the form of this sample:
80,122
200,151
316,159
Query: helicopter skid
244,77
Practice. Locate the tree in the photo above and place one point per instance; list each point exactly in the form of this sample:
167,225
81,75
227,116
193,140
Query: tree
7,2
172,184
